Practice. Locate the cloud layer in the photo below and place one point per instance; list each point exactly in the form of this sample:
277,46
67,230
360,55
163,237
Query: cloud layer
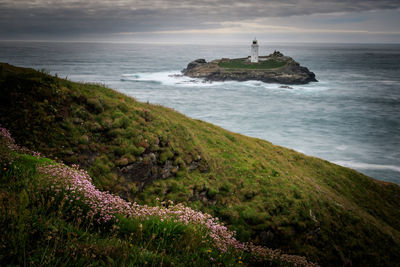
74,18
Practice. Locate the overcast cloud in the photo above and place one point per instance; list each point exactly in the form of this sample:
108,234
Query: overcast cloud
157,19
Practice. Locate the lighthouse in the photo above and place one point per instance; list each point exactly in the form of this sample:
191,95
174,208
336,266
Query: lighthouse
254,51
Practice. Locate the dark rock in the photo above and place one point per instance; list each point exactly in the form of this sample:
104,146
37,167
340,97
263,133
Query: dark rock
166,169
195,63
69,152
175,75
277,54
77,120
193,165
148,168
152,157
266,237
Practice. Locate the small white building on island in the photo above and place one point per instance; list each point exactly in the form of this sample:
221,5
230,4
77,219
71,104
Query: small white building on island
254,51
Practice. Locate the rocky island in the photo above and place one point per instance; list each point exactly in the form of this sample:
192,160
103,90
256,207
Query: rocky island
274,68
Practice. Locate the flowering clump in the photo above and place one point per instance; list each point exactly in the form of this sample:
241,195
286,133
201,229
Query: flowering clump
77,185
8,148
103,207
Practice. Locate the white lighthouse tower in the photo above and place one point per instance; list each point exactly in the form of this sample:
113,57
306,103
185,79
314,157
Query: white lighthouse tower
254,51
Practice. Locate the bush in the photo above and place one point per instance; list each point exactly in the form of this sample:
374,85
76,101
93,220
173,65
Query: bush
95,105
212,192
165,155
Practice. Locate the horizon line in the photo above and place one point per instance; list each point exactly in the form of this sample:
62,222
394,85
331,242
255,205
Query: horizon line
219,43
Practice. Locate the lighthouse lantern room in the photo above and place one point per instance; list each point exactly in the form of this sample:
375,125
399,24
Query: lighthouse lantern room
254,51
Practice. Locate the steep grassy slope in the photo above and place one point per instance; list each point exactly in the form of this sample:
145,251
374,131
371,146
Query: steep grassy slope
52,215
269,194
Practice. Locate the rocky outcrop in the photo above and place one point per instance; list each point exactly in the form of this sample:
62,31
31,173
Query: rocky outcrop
288,72
152,166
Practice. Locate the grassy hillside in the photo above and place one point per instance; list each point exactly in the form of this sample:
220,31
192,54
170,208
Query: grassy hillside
269,194
52,215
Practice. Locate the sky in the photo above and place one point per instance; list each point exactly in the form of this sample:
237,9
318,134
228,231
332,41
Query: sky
201,21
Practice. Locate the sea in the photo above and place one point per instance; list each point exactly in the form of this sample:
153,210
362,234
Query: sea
350,117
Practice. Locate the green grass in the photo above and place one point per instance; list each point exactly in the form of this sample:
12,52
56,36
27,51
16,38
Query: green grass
268,194
39,229
240,63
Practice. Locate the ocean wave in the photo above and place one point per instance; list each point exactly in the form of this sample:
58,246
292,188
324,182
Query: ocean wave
390,82
357,75
169,78
367,166
175,78
341,147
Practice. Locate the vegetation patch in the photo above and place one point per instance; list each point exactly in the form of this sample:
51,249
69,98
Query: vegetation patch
241,63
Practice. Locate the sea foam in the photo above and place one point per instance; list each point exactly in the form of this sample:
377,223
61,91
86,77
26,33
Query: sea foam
169,78
367,166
